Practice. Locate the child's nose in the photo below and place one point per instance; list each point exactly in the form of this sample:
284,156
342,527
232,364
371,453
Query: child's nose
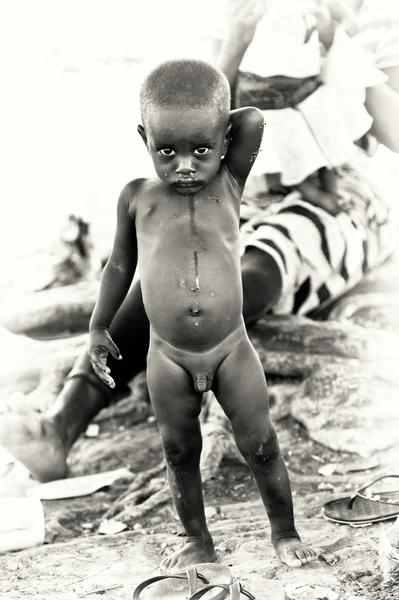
185,167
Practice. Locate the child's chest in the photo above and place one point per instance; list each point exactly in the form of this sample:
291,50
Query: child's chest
212,211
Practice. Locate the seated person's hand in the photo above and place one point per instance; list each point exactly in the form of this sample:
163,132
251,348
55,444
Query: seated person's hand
101,344
331,12
329,200
243,16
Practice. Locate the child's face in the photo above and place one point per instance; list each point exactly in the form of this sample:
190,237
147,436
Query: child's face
186,146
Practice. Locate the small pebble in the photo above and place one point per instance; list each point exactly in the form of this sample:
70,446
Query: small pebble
325,486
12,565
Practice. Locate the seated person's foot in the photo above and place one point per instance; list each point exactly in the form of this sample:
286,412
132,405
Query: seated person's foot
293,552
195,550
36,442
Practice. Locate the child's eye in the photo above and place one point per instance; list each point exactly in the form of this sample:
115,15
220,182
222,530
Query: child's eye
167,152
202,151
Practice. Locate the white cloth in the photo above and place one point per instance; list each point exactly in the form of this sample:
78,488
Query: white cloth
321,130
278,46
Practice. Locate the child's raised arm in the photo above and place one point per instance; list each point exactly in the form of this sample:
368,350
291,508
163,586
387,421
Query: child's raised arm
116,279
245,138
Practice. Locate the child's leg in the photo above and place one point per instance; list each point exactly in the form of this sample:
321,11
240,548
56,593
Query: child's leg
240,387
177,407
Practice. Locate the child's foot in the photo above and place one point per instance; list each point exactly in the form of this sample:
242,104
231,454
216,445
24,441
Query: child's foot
35,441
195,550
293,552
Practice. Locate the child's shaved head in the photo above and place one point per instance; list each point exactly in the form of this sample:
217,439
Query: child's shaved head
185,83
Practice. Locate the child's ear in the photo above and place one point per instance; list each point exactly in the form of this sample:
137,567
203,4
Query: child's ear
143,135
226,139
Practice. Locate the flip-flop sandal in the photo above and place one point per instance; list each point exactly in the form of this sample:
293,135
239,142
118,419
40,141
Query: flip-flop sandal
180,586
364,506
235,591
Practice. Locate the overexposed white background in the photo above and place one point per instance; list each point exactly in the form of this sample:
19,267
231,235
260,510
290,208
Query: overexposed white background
69,79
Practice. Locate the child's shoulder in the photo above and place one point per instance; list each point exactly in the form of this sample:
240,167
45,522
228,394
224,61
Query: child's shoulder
138,187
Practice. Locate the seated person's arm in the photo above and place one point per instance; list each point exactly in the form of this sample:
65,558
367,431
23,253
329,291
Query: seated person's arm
242,17
245,138
116,279
382,103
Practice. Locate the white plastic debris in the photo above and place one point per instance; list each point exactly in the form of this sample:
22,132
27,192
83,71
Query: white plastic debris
327,470
111,527
74,487
93,430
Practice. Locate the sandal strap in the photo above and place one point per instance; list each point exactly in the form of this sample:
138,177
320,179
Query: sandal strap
221,596
360,492
235,590
189,576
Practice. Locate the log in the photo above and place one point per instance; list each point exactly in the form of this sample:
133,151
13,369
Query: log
29,364
295,334
51,312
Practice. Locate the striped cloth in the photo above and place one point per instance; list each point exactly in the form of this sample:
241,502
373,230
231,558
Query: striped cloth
321,256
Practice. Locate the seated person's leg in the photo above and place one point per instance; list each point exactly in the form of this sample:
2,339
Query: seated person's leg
42,441
262,283
328,179
240,387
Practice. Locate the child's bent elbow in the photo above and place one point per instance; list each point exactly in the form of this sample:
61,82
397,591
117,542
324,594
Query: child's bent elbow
255,116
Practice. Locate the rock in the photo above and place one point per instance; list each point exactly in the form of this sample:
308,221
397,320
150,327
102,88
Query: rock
211,512
12,565
54,529
348,410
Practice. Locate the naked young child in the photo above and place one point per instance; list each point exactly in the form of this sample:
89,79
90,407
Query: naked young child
183,229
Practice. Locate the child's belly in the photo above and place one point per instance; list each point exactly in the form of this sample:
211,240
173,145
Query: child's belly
193,298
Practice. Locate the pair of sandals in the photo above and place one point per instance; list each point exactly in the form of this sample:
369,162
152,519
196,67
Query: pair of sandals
205,581
377,501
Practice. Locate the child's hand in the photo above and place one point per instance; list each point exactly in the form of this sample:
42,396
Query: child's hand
243,17
101,344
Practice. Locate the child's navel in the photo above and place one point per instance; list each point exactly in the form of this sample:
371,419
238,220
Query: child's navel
195,311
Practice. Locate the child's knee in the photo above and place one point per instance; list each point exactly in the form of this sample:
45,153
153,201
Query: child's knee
260,446
181,451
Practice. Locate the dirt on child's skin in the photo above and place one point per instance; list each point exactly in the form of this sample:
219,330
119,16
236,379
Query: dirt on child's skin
348,562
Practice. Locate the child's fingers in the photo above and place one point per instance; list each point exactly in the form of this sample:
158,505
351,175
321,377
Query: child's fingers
102,372
114,350
104,377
